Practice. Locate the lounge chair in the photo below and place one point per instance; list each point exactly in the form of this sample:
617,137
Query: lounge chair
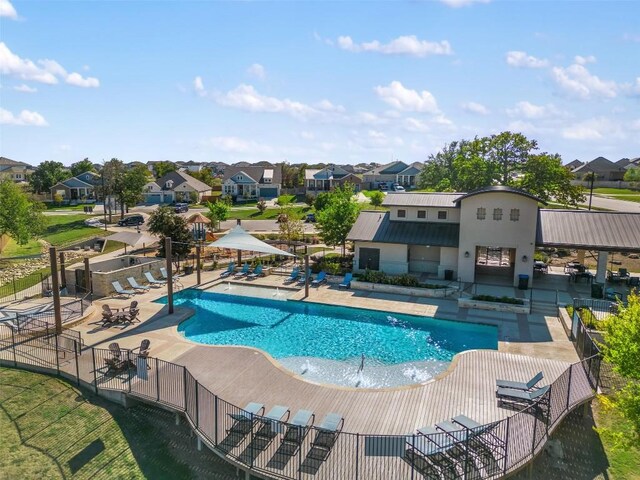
320,279
298,427
435,448
174,277
257,272
480,454
121,291
270,420
230,269
244,272
294,275
520,397
326,435
346,281
245,420
302,279
136,286
521,385
479,429
153,281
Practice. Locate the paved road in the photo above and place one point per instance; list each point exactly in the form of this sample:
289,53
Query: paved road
614,204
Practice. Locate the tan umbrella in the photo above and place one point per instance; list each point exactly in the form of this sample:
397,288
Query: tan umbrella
131,238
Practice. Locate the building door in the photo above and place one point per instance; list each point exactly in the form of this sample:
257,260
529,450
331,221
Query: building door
369,258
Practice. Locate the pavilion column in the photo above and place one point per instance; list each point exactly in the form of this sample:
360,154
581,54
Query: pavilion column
580,258
167,252
601,272
55,286
63,272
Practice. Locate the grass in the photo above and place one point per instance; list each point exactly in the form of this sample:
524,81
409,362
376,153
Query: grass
79,208
616,191
269,213
628,198
46,424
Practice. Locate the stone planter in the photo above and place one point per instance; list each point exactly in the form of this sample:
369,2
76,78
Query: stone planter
399,290
494,306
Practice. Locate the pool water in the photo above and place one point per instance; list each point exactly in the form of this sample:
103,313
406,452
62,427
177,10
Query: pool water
327,343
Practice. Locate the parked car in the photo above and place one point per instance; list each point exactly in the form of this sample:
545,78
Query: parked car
94,222
131,221
397,188
383,187
182,207
311,218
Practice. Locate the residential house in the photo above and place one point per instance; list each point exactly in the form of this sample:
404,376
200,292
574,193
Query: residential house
16,171
190,166
491,232
574,164
605,170
79,188
252,182
394,172
175,187
325,179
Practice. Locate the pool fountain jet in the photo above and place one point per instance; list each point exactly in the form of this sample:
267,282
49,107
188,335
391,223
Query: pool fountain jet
228,285
306,367
360,375
277,294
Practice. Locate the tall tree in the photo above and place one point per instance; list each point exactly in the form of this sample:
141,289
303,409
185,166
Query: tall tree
20,218
509,152
82,166
218,212
112,186
162,168
46,175
164,222
133,182
546,177
376,199
206,176
335,220
290,225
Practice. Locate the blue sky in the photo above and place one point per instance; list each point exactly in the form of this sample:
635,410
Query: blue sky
341,82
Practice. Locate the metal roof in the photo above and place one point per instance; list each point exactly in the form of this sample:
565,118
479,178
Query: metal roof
376,227
503,189
607,231
422,199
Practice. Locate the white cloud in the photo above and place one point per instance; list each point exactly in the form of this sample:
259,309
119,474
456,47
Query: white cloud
46,71
245,97
530,110
593,129
414,125
25,118
404,45
579,59
257,70
520,59
7,10
239,145
631,37
198,86
374,140
633,90
307,135
521,126
405,99
25,89
327,106
368,118
462,3
474,107
576,81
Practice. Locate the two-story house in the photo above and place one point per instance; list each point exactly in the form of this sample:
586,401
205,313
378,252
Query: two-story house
318,180
394,172
14,170
252,182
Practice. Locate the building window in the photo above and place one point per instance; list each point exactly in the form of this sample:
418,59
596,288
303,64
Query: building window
497,214
514,216
442,215
481,213
422,214
402,213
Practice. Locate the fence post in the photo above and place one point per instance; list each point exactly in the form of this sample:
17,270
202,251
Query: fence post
15,292
413,452
215,419
157,381
357,454
55,338
13,342
129,368
95,372
75,354
533,441
506,447
197,408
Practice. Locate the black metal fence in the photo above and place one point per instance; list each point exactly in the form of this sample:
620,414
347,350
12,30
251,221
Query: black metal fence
277,449
35,284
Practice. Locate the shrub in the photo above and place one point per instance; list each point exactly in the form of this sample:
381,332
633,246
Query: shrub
491,298
404,280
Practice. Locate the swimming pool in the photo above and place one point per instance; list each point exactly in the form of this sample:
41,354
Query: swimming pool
327,343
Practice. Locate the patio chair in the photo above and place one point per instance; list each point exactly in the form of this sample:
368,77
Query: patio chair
121,291
269,423
131,314
521,385
302,279
153,281
246,419
230,269
136,286
298,427
143,349
346,281
326,435
320,279
479,429
435,448
108,316
510,396
244,272
294,275
257,272
623,273
114,348
175,276
612,295
479,455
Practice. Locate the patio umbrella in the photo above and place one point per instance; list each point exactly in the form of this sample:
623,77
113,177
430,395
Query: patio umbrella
131,238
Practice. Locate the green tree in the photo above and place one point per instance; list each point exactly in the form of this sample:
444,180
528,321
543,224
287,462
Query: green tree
133,183
509,152
632,175
321,201
218,212
335,220
164,222
546,177
46,175
112,185
309,199
290,226
621,348
82,166
162,168
376,198
20,218
262,206
206,176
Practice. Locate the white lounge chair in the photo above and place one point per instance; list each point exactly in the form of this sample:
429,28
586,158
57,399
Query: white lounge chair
136,286
153,281
121,291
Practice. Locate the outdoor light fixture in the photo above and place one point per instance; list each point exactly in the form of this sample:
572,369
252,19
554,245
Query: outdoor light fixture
466,254
525,258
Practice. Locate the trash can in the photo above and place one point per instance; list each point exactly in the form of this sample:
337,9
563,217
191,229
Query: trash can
523,282
188,269
596,290
448,274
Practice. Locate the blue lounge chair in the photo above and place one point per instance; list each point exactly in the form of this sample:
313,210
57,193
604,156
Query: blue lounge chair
153,281
326,435
298,428
302,278
257,272
511,396
294,275
136,286
320,279
346,282
521,385
269,427
121,291
244,272
230,269
246,418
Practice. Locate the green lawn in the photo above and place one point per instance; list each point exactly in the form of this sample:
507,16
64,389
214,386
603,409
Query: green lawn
52,206
269,213
616,191
628,198
47,424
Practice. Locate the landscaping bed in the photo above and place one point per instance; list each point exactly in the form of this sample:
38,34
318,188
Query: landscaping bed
496,304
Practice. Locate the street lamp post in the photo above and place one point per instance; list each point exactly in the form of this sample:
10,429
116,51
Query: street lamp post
592,176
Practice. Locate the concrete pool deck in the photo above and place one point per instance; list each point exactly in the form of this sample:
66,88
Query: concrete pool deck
527,344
